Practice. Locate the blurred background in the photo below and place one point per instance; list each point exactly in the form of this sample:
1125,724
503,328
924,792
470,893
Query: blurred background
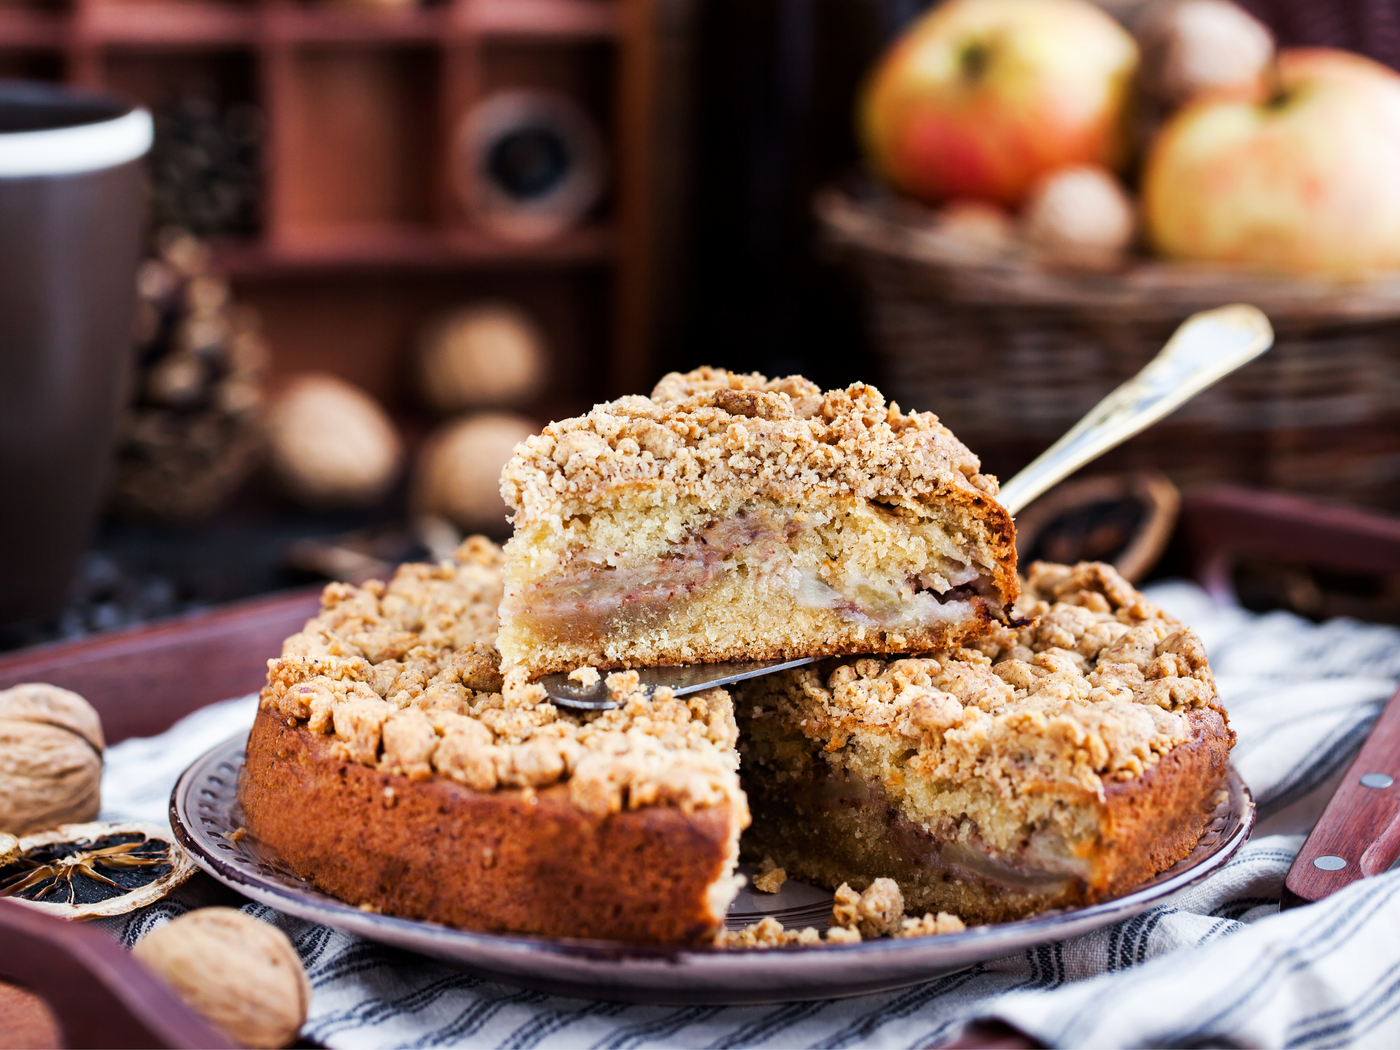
388,239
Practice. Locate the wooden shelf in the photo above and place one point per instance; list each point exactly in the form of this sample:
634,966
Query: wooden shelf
170,23
217,23
361,106
542,19
346,25
406,247
22,28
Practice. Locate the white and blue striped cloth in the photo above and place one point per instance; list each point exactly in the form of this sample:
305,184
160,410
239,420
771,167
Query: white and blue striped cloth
1214,966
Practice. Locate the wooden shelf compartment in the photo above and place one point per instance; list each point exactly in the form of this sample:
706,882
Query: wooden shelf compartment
361,108
365,326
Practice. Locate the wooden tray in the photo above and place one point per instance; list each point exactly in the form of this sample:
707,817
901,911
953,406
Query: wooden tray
144,680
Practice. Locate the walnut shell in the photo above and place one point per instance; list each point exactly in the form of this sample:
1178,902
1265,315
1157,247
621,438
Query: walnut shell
1080,213
50,758
1200,47
481,357
240,974
459,469
331,444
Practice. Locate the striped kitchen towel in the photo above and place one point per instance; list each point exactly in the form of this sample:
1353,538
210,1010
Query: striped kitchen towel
1215,965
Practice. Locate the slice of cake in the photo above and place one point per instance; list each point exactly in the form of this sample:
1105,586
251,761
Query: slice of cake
730,517
392,766
1058,764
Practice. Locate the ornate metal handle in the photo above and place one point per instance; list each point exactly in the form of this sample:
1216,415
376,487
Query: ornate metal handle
1207,347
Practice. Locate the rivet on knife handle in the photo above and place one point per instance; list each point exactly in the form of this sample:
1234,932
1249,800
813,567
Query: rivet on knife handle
1358,834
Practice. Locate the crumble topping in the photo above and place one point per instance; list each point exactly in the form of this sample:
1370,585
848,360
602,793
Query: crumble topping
709,431
770,877
1095,687
406,679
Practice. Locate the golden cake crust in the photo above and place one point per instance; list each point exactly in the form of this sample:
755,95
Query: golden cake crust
509,860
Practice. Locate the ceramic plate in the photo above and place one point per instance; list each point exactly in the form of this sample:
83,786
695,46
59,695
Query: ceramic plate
204,810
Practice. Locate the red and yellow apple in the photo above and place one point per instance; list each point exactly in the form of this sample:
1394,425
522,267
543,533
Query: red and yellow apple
1305,181
981,97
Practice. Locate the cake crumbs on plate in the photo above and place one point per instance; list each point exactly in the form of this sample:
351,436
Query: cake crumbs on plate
585,676
855,917
770,877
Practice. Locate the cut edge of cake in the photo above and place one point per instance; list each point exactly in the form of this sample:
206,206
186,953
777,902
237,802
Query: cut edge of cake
1055,764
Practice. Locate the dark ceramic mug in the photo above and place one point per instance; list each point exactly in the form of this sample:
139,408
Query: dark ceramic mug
72,211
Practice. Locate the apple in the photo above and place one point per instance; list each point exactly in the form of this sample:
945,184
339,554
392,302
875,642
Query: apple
981,97
1305,181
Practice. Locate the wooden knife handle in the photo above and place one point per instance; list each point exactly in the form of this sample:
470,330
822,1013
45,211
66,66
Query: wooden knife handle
1358,834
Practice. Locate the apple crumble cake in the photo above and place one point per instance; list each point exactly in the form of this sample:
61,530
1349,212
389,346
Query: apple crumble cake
1054,764
730,517
393,765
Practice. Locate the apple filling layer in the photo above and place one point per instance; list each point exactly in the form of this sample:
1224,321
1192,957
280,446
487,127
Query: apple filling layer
868,568
829,828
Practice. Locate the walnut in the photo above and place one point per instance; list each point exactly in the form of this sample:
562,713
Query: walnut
1199,47
240,974
50,758
1079,214
459,469
331,444
481,357
977,225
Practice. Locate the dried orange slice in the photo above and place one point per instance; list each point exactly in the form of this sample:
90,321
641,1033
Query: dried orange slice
82,871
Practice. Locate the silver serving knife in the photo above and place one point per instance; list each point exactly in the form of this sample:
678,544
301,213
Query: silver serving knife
1207,347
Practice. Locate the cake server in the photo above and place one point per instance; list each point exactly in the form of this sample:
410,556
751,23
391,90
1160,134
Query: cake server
1207,347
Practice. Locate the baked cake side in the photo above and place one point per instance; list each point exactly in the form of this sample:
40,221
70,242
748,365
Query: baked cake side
732,517
1052,765
394,766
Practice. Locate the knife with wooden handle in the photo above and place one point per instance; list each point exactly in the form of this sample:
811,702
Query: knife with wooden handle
1358,834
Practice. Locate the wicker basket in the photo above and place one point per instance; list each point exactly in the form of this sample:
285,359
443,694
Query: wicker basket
1010,351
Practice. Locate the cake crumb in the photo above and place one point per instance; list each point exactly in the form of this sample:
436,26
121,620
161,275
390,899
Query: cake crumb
878,912
587,677
930,924
770,877
845,908
881,909
766,933
842,935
